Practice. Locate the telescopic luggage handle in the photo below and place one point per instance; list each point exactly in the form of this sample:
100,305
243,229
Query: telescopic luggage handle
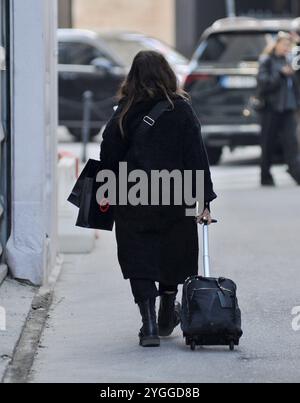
206,262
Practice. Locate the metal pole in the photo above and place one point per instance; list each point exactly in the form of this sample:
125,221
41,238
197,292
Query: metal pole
230,8
86,122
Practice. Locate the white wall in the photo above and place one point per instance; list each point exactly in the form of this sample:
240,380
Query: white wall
31,249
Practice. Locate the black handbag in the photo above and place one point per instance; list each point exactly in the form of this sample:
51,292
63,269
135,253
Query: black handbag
83,195
91,169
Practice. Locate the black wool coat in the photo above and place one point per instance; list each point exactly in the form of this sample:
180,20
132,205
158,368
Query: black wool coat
157,242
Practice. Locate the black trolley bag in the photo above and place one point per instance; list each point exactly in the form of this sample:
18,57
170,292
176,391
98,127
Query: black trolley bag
210,313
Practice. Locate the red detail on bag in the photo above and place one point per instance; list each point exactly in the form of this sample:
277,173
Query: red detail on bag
105,208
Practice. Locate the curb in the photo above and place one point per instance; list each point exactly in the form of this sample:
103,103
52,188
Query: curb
3,272
18,370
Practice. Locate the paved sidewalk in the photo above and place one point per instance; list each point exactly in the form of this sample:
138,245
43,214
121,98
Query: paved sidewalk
91,334
16,299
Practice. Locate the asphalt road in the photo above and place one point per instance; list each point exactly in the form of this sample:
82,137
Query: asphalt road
91,334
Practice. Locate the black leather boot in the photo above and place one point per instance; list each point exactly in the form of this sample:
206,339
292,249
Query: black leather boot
149,332
295,173
267,181
168,315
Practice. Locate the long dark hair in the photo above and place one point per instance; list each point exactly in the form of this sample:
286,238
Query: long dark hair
150,77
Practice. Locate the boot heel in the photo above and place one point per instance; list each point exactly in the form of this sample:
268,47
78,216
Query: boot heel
150,342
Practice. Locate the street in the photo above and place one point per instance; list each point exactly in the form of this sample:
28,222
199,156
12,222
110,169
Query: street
91,334
66,312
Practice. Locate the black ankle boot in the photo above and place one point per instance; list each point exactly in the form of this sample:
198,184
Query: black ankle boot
295,174
168,315
149,332
267,181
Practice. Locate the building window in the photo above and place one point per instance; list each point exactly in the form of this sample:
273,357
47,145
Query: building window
267,8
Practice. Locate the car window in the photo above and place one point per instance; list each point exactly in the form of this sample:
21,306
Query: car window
127,48
230,48
78,53
170,54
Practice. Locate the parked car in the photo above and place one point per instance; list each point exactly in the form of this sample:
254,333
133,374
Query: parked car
98,62
222,80
127,44
86,64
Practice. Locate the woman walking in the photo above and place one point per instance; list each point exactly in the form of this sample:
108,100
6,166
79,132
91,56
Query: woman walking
156,243
279,91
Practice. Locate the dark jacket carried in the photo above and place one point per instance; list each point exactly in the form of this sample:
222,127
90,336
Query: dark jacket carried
278,91
158,243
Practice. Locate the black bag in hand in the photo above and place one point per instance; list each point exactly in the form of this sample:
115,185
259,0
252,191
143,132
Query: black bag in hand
83,196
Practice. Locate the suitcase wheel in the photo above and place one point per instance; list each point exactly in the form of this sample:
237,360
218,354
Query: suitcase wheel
193,345
231,346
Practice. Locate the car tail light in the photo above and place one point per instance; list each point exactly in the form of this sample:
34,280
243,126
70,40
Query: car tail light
191,78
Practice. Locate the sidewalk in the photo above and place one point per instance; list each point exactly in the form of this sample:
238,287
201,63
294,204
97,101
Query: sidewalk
91,334
16,299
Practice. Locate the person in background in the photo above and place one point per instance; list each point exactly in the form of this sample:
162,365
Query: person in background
279,91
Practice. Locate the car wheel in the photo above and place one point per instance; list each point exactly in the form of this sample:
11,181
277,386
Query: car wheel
77,133
214,154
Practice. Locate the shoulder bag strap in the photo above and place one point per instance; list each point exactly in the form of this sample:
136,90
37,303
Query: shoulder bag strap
150,119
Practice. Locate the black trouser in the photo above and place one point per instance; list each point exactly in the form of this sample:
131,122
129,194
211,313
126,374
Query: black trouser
145,289
279,126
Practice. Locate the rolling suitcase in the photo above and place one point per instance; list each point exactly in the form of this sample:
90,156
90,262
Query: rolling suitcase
210,314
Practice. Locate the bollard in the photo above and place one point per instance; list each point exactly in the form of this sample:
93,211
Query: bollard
86,122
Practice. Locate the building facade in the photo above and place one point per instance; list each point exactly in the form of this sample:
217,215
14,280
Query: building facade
152,17
200,16
5,174
178,22
28,58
